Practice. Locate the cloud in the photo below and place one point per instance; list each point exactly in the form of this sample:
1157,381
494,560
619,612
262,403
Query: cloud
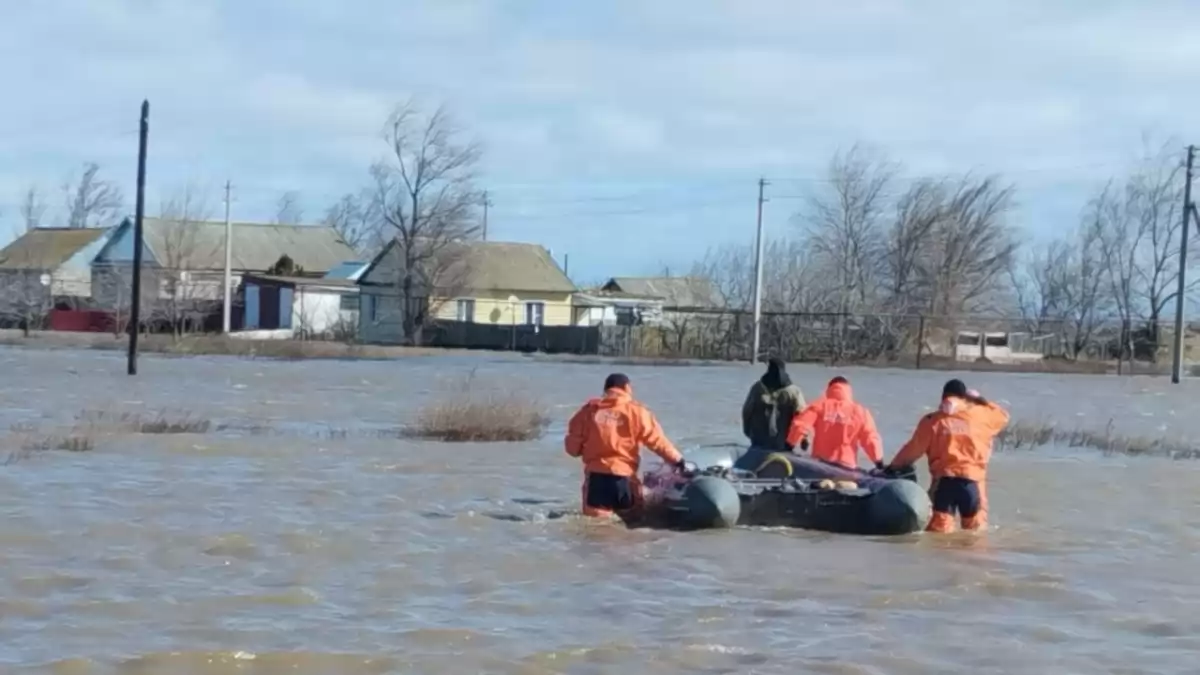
604,123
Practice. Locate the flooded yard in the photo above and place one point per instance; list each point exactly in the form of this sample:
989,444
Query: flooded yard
299,535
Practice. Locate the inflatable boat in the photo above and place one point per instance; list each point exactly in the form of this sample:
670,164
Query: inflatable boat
727,487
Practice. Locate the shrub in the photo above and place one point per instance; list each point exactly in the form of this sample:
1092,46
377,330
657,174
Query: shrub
479,414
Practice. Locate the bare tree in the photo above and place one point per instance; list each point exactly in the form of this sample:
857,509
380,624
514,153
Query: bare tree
1119,240
970,246
26,295
180,292
1039,283
356,219
1085,305
793,281
1139,226
1155,198
844,226
288,210
90,200
33,208
917,213
26,292
793,284
731,270
425,191
1063,286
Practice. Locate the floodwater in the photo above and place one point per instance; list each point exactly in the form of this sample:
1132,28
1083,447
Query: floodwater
296,541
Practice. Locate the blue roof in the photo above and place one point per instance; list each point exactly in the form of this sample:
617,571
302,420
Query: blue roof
350,270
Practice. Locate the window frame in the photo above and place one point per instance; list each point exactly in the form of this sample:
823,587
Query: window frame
531,313
459,305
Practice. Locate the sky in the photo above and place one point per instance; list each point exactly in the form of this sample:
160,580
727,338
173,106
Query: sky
626,134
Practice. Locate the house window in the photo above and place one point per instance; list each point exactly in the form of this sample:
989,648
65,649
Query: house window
348,302
535,313
466,311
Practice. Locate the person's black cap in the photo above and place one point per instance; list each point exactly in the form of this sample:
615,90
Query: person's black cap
955,388
616,380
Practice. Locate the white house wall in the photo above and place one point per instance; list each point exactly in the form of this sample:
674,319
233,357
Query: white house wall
596,316
72,282
318,311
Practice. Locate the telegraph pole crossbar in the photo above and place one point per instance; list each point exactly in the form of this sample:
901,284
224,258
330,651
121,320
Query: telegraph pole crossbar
1189,212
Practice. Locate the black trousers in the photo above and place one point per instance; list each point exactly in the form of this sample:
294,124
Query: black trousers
608,492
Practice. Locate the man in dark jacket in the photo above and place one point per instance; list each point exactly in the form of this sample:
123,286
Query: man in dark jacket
770,406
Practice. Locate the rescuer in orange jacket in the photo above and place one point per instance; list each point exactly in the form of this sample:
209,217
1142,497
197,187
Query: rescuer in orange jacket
840,426
957,441
607,433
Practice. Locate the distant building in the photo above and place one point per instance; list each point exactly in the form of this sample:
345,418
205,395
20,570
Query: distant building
999,346
184,261
597,307
675,292
51,266
683,298
486,282
278,306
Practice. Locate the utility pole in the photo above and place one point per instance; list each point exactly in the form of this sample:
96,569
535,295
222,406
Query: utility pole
758,273
228,312
486,204
135,302
1188,213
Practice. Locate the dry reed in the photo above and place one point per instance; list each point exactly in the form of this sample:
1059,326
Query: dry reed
138,423
30,441
476,413
1024,435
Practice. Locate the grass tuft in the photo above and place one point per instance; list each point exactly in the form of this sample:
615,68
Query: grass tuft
30,442
476,413
1024,435
156,423
72,442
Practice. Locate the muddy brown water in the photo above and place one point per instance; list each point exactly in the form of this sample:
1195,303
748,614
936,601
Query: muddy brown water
303,551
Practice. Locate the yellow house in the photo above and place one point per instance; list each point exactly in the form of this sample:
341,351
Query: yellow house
487,282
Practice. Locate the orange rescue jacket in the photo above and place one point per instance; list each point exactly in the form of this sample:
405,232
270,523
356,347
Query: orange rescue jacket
840,426
607,434
957,443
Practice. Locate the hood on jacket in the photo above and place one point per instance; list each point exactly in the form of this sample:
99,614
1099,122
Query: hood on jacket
776,377
839,390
